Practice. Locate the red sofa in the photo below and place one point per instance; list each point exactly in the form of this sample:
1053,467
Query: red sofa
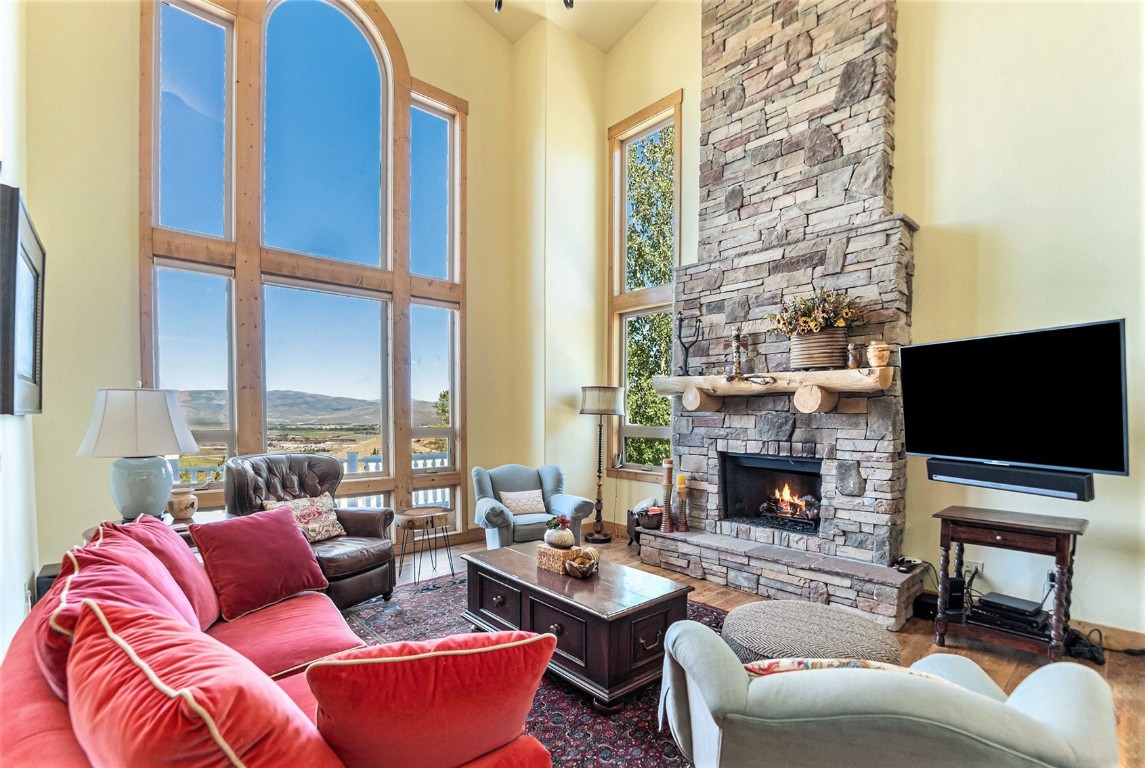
281,640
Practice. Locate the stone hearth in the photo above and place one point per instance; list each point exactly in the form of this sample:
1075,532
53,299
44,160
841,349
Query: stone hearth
797,141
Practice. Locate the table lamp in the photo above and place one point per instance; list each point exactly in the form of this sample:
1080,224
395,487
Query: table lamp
601,402
138,427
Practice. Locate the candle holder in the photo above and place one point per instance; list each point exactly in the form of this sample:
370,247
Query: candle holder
684,370
682,510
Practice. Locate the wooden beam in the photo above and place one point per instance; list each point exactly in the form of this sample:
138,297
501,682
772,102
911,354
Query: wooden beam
317,269
842,380
695,399
249,394
184,246
811,398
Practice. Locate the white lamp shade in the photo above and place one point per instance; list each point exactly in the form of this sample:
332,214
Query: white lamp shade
603,401
136,423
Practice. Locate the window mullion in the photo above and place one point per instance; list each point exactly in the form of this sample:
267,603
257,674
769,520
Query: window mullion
250,400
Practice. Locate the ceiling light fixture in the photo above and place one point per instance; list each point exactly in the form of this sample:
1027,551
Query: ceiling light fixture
497,5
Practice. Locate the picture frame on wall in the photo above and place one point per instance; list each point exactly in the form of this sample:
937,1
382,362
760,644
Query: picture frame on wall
21,308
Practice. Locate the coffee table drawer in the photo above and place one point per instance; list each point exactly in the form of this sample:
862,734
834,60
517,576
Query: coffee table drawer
571,632
499,602
648,638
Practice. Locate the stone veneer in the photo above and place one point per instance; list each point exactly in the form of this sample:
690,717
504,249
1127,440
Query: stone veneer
797,142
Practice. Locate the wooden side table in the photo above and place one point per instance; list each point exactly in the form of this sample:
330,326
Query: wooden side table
433,523
1020,532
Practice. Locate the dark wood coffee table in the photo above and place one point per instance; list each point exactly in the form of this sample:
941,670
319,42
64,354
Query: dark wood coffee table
610,627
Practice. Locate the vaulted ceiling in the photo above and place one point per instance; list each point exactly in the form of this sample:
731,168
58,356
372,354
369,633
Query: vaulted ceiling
601,23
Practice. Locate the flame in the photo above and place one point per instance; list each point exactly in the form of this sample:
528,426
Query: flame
789,500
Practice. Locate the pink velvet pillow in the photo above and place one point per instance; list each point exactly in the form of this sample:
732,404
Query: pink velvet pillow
162,541
257,560
145,690
482,685
102,573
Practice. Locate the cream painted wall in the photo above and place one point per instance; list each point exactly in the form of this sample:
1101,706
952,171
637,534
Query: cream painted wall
660,55
82,101
1019,152
17,475
526,300
574,252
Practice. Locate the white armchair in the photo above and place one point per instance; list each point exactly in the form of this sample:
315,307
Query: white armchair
1061,715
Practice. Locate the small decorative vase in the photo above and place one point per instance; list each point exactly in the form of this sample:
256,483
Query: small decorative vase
823,350
878,354
182,505
561,538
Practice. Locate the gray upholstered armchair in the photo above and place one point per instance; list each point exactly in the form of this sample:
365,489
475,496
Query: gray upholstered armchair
1061,715
502,528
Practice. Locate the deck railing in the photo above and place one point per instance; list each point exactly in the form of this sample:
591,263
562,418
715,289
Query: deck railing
352,463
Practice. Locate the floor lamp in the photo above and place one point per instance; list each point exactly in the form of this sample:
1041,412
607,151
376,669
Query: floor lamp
600,402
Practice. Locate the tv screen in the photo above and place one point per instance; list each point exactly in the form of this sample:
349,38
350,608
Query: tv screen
1052,399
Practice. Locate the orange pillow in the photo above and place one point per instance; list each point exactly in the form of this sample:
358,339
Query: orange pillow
481,685
257,560
146,690
161,540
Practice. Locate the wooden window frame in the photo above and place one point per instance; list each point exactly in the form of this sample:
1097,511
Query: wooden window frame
623,303
243,254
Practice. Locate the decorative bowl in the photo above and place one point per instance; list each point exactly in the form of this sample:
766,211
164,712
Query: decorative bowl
580,570
649,520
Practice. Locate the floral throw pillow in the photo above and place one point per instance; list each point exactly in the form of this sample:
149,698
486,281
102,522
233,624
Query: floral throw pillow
524,502
765,667
315,517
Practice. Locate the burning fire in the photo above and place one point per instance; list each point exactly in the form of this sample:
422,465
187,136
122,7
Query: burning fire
787,504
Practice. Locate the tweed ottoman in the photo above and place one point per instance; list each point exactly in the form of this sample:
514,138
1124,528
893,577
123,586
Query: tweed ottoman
781,629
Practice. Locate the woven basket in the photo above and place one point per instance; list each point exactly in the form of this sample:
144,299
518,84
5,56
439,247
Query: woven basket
826,349
553,559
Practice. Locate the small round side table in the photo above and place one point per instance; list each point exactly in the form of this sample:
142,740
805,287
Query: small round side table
433,523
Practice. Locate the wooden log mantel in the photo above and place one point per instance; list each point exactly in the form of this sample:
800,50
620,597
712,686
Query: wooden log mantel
842,380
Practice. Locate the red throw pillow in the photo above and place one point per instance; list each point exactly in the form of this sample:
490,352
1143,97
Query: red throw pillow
170,549
99,573
482,685
257,560
145,690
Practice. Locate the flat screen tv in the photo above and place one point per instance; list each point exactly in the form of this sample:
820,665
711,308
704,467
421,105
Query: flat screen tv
1052,399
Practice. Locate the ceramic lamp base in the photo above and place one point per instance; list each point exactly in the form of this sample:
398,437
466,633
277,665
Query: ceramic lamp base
141,486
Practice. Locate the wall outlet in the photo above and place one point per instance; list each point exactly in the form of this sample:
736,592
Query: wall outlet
27,599
1051,578
968,567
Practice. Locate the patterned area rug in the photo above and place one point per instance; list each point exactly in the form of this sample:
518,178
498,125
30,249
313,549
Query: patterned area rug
562,717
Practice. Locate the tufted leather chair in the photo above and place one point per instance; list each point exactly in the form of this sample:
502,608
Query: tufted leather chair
359,565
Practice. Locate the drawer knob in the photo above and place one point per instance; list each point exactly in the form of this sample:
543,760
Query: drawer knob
998,537
498,600
656,642
556,629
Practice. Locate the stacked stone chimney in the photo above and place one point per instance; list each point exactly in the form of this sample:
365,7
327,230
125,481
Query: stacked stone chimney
797,141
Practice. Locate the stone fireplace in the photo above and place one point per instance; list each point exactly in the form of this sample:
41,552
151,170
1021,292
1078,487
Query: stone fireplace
797,139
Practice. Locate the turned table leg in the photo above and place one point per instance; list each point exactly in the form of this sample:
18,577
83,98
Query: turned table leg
1061,606
943,596
959,571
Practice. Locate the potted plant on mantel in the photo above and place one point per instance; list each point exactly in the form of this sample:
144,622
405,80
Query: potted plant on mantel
817,325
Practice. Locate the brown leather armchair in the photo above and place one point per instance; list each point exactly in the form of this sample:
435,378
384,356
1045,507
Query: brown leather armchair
359,565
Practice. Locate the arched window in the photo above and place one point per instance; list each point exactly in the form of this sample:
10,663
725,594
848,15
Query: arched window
301,244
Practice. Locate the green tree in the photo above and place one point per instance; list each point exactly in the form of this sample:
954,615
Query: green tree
649,199
441,409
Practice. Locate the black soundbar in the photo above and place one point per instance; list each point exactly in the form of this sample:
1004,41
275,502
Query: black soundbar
1043,482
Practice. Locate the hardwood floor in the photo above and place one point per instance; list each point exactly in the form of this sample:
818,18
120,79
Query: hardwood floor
1007,667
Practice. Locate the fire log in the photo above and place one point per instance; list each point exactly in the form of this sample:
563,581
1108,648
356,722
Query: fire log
811,398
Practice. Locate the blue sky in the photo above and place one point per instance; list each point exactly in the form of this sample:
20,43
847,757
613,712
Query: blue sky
322,195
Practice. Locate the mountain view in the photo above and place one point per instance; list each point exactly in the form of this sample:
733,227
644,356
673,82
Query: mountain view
207,409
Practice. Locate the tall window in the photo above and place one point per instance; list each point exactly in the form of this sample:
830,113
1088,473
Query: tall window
302,245
643,237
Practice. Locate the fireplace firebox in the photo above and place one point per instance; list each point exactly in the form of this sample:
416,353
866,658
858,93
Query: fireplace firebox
774,491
